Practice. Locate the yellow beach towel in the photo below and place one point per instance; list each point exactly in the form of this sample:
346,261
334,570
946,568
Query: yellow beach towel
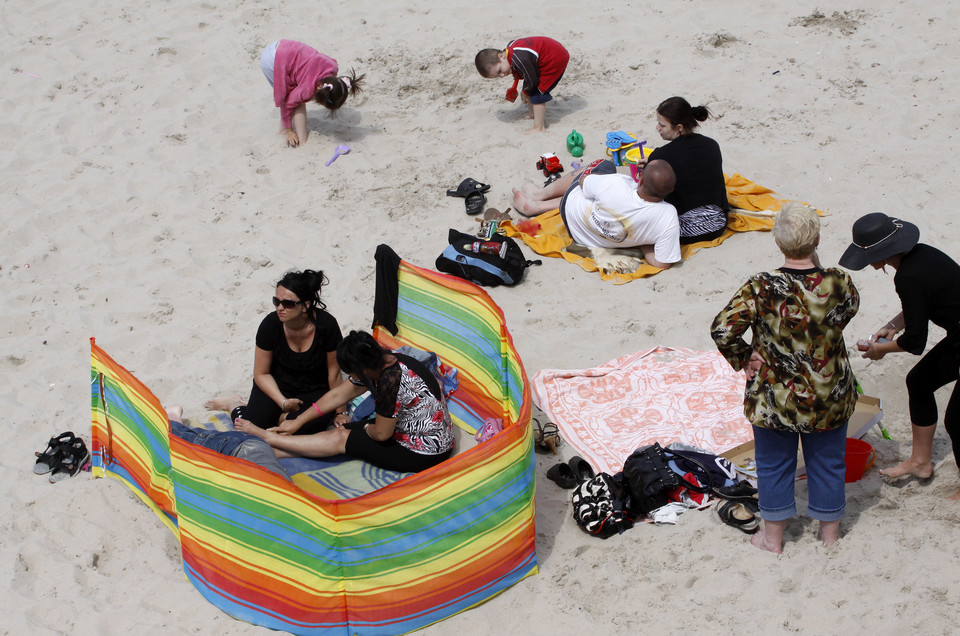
752,207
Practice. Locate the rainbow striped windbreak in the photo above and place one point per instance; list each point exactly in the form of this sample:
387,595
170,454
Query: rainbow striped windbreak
415,552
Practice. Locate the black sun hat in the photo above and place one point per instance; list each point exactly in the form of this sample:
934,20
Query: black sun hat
877,236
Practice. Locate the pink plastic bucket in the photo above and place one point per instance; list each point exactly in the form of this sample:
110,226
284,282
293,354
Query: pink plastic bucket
860,457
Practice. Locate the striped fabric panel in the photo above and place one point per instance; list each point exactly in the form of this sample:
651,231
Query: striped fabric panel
412,553
129,434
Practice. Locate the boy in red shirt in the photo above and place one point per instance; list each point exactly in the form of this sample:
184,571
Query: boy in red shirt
538,61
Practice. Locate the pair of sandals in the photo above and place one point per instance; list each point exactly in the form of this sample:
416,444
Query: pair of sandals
63,457
572,473
739,509
471,191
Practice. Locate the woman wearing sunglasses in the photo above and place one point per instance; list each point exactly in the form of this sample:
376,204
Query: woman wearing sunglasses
295,360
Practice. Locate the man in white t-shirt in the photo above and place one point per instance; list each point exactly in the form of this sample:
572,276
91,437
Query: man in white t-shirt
603,209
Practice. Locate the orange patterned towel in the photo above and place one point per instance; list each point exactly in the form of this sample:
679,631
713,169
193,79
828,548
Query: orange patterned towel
660,395
752,207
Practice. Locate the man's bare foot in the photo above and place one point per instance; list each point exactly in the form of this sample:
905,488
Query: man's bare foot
920,470
764,542
520,202
247,426
175,413
224,403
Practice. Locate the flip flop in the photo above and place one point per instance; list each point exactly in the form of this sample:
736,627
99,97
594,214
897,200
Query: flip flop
619,138
72,458
563,475
47,460
741,515
582,470
493,214
468,186
475,202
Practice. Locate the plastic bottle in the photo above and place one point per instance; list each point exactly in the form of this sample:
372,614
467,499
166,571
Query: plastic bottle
575,144
487,247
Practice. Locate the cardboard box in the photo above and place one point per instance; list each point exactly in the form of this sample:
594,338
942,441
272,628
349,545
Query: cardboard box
868,414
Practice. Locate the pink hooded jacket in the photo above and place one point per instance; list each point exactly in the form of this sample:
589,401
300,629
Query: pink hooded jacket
296,70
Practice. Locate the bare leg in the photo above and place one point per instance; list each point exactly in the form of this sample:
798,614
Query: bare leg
175,413
920,462
770,537
324,444
300,123
830,532
224,403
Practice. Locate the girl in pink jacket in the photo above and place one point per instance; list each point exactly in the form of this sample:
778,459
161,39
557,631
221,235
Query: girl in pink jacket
298,74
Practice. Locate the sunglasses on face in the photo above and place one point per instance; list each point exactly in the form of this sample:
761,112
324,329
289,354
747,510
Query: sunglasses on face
287,303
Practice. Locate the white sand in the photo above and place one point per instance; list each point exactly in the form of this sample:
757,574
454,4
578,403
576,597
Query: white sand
147,200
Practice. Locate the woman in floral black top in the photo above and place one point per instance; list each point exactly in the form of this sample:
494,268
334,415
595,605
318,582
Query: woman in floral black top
800,386
412,430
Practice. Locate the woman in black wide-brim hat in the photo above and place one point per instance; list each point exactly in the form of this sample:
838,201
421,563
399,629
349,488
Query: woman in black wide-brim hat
928,284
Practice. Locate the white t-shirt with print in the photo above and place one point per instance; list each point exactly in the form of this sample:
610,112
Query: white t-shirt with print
608,212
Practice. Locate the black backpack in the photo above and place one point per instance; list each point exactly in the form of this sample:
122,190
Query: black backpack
480,268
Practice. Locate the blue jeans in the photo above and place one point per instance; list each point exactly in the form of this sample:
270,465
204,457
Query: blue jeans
234,443
824,455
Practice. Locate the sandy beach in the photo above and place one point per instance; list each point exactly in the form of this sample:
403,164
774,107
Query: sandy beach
149,201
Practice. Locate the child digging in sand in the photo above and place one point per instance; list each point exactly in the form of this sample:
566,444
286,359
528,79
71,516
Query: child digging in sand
538,61
299,74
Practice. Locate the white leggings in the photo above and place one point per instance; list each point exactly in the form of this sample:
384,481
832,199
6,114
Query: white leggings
266,60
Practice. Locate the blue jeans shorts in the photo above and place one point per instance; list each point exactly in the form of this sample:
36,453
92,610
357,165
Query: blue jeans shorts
824,455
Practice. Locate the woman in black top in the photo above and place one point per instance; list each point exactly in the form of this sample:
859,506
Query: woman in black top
295,359
700,195
928,284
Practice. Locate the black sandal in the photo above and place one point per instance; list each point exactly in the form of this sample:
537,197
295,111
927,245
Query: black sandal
740,490
741,515
50,457
563,475
475,202
468,186
72,458
582,470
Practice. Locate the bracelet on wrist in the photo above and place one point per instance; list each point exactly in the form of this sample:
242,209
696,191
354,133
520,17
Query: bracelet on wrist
317,409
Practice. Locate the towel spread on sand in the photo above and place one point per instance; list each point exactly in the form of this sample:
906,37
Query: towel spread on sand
339,477
661,395
752,207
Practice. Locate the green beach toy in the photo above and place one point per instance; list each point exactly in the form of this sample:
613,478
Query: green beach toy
575,144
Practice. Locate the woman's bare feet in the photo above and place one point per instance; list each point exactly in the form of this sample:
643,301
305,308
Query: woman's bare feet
175,413
763,541
955,496
829,532
919,469
224,403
